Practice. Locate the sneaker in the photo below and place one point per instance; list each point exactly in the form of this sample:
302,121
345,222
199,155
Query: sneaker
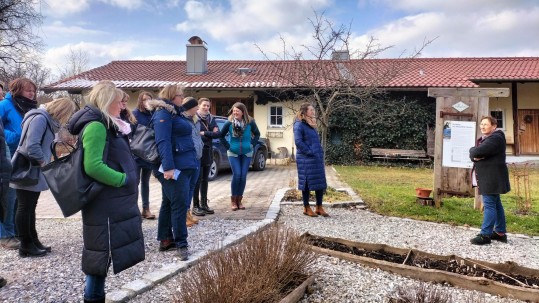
498,237
3,282
480,240
183,252
166,245
198,212
10,243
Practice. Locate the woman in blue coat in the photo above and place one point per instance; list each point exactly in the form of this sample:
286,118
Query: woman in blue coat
309,159
173,125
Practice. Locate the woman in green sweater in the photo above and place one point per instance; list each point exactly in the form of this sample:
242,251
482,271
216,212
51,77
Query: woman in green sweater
112,225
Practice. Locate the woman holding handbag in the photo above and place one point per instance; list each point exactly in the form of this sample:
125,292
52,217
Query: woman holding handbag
143,117
111,222
39,126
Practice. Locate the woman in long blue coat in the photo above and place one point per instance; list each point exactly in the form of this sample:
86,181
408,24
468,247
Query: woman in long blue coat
309,159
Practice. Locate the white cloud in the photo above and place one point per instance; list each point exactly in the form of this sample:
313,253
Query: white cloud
100,53
60,8
247,20
479,32
127,4
58,28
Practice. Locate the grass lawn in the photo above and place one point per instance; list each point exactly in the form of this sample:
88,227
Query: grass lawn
391,192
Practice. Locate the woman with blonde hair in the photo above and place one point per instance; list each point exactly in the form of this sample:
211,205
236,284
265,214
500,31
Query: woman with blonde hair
111,222
243,136
143,117
39,127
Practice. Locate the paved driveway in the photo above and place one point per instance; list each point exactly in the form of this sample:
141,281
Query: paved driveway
260,189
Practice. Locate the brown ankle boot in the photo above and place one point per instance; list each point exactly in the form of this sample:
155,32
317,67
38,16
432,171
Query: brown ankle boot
147,214
320,211
189,220
238,202
233,203
309,212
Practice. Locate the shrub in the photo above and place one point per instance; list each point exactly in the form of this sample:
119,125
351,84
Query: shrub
263,268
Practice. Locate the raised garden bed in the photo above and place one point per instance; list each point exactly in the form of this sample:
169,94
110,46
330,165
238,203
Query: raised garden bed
331,195
508,279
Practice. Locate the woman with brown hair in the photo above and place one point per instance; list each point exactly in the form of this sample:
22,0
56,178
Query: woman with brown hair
309,159
143,117
39,126
18,101
243,136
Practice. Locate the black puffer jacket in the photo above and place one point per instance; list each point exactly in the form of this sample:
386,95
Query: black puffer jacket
5,172
112,226
491,171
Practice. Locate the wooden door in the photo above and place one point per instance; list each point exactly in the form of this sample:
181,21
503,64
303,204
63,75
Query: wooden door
528,131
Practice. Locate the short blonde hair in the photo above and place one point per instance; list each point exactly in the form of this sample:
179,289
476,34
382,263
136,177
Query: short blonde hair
101,96
170,91
61,109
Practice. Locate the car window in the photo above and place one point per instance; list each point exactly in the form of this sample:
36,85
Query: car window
220,123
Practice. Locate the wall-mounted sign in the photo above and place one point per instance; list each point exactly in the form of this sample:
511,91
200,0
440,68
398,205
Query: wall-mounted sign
460,106
458,138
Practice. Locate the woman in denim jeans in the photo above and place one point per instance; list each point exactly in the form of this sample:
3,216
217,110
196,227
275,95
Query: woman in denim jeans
243,136
491,176
173,125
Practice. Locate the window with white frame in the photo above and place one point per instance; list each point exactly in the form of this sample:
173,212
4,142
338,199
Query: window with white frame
499,115
276,116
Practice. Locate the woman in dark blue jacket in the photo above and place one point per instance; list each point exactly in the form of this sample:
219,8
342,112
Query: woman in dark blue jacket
491,176
179,166
143,117
243,136
309,159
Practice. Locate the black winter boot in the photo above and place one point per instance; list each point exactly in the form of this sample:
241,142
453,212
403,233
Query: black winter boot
197,211
29,249
204,206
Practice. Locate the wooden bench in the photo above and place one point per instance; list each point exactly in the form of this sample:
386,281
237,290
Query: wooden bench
399,154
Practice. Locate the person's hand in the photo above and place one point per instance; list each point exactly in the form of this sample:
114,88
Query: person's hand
169,174
202,133
478,159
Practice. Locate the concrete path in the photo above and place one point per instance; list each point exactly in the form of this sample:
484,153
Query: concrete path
259,192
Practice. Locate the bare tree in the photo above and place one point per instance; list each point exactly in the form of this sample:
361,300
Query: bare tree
76,62
18,19
333,76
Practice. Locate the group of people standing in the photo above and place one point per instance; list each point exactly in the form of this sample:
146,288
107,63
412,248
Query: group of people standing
112,222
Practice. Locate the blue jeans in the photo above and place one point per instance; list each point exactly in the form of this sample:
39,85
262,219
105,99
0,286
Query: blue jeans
171,224
95,288
494,216
7,227
240,167
145,174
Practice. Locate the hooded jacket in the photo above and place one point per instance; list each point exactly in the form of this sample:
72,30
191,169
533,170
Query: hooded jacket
12,120
112,226
173,136
40,128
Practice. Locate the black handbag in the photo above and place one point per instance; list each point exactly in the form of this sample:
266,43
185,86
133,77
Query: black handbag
25,172
68,182
142,144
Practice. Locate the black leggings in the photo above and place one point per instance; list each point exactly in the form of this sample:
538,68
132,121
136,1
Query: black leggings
202,184
25,218
306,192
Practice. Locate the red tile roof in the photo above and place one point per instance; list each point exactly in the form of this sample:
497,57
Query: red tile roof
406,73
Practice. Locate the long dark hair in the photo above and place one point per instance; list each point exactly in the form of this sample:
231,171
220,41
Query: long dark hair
140,104
246,118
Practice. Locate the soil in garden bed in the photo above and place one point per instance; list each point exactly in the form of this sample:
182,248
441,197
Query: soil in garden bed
452,266
331,195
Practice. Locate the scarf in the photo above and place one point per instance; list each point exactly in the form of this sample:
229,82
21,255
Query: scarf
238,127
123,127
204,121
23,104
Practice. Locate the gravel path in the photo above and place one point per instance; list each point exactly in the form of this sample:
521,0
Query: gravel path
58,278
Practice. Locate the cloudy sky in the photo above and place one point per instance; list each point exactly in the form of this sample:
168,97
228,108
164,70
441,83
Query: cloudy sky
158,29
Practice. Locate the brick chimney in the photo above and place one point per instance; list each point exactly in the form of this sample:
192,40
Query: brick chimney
196,56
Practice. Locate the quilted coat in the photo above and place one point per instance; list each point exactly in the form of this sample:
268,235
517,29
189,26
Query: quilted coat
309,157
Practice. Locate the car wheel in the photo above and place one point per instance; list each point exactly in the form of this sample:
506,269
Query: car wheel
213,170
260,160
